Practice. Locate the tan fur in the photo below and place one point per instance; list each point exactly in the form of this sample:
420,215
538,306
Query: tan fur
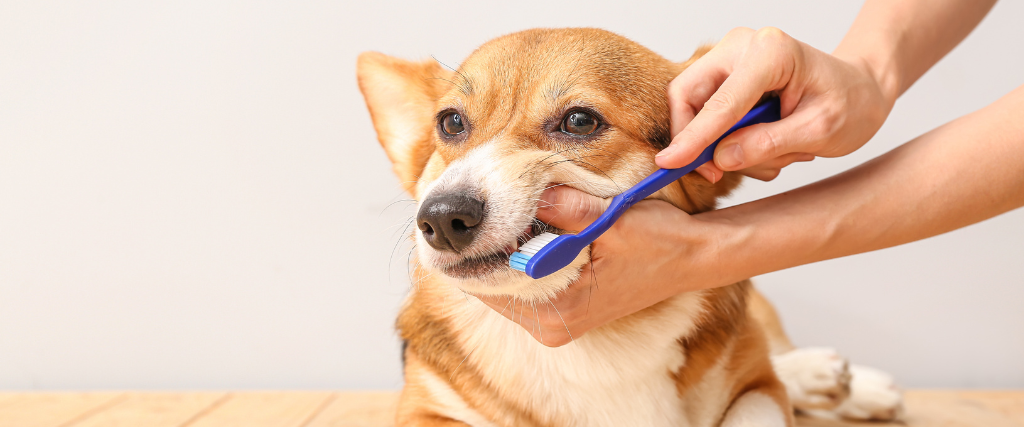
763,311
509,89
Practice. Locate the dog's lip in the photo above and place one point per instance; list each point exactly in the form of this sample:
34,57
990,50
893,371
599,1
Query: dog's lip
473,265
479,266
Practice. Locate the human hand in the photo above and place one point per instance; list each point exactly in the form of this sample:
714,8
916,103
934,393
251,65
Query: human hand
650,254
831,105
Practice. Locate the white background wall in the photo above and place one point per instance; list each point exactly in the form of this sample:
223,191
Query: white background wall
192,195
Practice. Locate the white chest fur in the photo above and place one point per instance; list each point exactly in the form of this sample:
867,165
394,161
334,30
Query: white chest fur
617,376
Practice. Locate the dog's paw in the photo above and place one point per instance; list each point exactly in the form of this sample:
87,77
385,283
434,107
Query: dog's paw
873,396
815,378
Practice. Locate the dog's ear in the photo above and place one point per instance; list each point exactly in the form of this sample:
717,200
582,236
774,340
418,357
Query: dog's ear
701,51
401,96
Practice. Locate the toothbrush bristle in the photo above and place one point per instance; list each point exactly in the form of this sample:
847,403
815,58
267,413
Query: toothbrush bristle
519,258
535,244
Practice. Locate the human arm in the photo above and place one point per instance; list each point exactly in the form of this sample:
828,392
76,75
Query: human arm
964,172
961,173
831,104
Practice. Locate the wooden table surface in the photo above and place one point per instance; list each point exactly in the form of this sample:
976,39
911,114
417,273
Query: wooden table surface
930,408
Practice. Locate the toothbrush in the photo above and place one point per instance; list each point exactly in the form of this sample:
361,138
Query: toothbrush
548,252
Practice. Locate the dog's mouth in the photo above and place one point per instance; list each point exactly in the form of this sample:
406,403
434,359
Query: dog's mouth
479,266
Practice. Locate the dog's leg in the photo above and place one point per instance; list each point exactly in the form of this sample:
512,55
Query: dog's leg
873,396
821,382
760,407
417,408
815,378
762,311
429,401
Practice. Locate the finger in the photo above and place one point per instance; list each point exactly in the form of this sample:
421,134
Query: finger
753,145
500,304
762,174
766,65
518,311
783,161
710,172
771,169
688,92
569,209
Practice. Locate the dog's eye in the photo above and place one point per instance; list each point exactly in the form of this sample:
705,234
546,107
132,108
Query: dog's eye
579,123
451,124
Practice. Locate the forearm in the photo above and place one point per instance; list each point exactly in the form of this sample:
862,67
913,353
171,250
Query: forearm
964,172
898,41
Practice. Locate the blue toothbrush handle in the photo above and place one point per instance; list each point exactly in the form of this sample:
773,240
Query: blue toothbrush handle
768,111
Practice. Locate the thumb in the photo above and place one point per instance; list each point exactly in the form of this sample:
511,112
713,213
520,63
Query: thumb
754,145
568,208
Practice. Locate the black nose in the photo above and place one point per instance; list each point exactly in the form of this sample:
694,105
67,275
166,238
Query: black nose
449,221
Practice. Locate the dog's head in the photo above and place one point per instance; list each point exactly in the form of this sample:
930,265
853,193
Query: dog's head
478,145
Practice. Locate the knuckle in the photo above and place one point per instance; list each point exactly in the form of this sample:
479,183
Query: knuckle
771,174
765,175
721,101
583,207
766,145
689,136
738,32
822,128
555,339
677,84
770,35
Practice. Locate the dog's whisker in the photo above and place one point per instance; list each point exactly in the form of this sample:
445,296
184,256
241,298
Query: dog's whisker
502,312
540,328
394,250
460,365
395,203
541,161
563,320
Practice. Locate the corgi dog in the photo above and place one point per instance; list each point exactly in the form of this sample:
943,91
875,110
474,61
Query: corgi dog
475,147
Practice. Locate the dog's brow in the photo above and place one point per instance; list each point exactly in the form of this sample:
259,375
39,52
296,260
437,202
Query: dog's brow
558,89
465,85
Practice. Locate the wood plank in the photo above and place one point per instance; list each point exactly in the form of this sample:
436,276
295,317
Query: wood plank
53,409
153,410
946,408
264,409
359,409
1010,404
925,408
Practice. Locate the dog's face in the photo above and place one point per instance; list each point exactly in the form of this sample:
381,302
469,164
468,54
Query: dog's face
476,147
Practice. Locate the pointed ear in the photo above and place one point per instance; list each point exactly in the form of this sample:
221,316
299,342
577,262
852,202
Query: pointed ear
401,96
703,49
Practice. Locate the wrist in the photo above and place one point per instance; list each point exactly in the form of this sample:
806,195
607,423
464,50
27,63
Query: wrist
874,56
722,250
883,72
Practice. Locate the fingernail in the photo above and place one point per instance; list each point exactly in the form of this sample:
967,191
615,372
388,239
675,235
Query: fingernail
730,157
668,150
